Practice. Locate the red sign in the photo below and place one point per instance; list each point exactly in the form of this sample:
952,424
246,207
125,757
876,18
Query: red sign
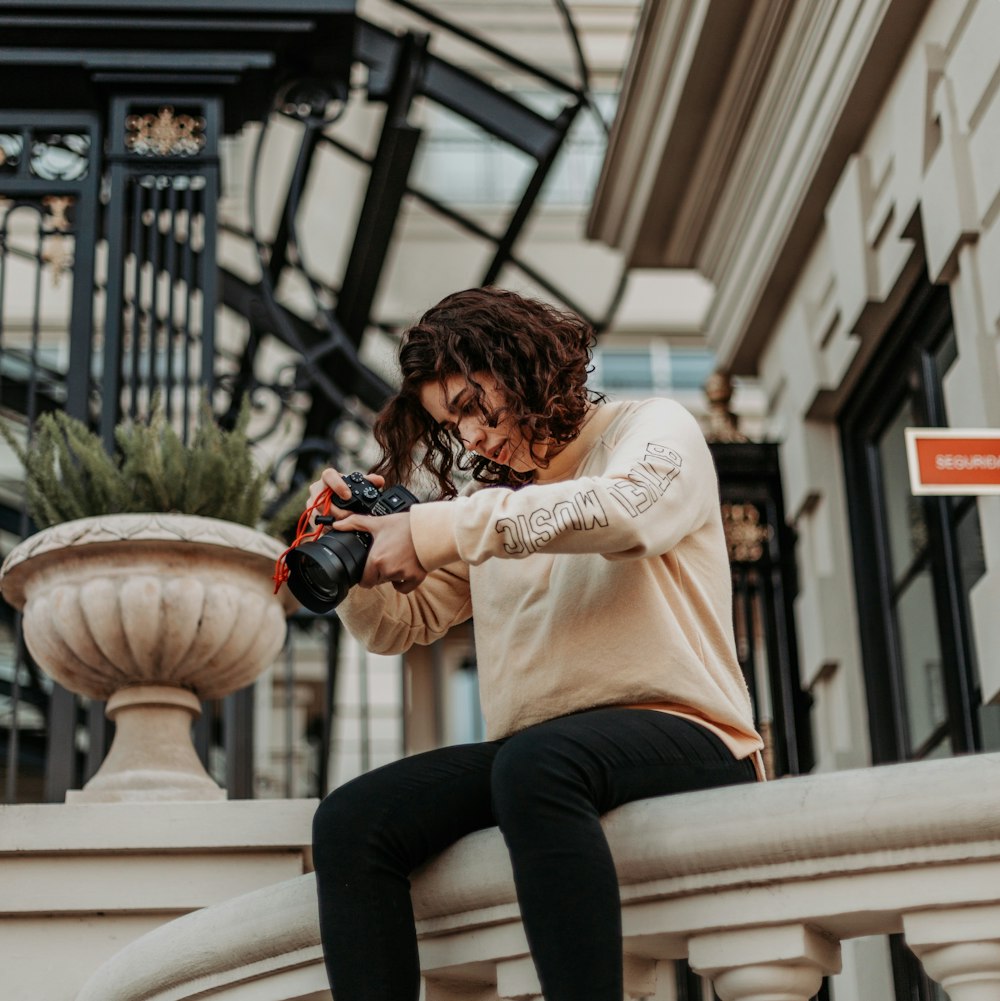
953,461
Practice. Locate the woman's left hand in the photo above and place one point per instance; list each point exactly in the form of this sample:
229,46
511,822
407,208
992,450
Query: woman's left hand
392,558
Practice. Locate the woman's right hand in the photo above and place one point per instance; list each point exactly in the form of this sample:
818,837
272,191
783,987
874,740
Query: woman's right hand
334,480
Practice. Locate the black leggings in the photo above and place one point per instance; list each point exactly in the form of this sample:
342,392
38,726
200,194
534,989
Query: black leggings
545,787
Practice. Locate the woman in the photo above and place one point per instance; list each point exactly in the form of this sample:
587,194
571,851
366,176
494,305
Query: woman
590,549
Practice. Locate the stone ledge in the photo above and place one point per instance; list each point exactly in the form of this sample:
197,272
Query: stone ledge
135,883
783,828
82,880
81,828
845,853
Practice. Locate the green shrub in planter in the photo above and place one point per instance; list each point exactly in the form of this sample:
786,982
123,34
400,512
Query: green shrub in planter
68,473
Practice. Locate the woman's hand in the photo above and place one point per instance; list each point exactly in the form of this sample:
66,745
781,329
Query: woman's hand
392,558
334,480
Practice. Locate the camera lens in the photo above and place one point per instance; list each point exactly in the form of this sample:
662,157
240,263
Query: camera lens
323,570
317,580
320,573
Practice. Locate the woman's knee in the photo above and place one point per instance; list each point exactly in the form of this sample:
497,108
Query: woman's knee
534,768
341,824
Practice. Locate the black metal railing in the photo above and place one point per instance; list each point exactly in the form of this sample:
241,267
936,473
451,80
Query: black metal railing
109,282
765,582
160,225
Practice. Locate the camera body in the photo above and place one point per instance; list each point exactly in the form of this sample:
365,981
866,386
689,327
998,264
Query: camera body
321,572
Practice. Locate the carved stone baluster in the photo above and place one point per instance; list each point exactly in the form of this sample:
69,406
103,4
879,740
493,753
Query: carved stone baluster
652,979
517,980
960,949
779,963
643,978
437,989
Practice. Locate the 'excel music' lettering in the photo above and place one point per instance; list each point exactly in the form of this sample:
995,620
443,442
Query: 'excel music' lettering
646,482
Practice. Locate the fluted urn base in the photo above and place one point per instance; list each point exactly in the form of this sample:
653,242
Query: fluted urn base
151,757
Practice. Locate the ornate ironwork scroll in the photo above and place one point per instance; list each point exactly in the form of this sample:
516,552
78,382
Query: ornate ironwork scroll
746,536
60,156
165,133
11,148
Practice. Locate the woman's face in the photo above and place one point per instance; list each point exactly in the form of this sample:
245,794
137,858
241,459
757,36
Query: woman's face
453,405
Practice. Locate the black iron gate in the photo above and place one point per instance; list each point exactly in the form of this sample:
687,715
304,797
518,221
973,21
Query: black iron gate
109,278
109,180
762,557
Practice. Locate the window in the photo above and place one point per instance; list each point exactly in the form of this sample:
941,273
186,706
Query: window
626,370
915,560
651,368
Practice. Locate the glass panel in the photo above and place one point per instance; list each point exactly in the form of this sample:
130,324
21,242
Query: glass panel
904,514
574,178
945,354
626,370
690,369
458,162
11,148
972,566
942,749
59,157
920,656
969,538
466,720
989,726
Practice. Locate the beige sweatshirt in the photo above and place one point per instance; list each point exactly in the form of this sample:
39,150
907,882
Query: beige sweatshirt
604,582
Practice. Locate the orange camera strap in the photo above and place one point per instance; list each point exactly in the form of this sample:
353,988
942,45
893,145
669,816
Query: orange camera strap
303,533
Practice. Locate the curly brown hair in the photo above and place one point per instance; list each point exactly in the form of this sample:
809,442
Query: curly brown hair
539,356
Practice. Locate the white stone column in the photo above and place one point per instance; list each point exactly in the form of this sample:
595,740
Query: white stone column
649,979
959,948
776,963
643,978
517,980
439,989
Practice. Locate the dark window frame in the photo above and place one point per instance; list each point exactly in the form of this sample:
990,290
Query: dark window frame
904,369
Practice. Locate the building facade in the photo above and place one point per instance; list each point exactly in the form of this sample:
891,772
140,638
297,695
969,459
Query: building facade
832,169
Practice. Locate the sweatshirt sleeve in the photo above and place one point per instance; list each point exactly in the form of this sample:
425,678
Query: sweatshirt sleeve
657,485
385,621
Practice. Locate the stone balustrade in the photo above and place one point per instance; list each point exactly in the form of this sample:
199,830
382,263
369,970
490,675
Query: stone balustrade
756,885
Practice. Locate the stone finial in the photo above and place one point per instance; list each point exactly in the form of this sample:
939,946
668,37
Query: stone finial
722,422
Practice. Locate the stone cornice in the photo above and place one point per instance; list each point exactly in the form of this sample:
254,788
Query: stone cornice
825,88
763,28
644,138
680,122
732,178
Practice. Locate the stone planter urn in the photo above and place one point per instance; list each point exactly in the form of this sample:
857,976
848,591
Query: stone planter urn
154,613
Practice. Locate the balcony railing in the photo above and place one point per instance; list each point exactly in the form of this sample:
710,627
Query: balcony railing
755,885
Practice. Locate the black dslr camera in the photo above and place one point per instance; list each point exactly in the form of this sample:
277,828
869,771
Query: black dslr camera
321,572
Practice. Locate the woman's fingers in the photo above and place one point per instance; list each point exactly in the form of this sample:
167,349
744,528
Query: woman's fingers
392,558
349,522
333,480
